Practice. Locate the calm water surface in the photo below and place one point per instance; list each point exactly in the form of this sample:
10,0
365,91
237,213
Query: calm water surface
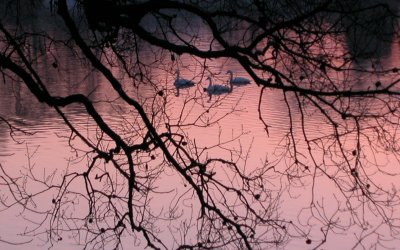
47,150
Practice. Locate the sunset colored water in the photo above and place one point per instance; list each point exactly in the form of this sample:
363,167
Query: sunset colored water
262,131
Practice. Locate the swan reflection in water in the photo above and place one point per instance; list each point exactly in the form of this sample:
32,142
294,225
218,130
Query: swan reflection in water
237,81
181,83
217,89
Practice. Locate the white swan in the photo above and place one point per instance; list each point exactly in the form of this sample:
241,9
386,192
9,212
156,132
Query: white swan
237,81
217,89
181,83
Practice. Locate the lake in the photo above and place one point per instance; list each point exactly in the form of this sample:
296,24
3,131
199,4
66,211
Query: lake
40,150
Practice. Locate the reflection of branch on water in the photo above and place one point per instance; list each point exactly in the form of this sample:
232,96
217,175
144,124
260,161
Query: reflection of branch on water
172,164
260,111
14,243
15,131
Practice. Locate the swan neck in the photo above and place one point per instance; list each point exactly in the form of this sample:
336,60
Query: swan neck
231,76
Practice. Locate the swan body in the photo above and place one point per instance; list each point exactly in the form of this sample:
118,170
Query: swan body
181,83
237,81
217,89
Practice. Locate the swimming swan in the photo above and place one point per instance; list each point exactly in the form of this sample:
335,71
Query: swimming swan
217,89
181,83
237,81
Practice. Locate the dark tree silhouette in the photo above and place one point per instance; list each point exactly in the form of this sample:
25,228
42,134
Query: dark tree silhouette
143,180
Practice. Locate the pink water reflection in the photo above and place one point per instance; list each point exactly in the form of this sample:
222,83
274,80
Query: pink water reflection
227,124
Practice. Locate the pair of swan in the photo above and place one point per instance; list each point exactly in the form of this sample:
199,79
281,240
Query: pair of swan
216,89
212,89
